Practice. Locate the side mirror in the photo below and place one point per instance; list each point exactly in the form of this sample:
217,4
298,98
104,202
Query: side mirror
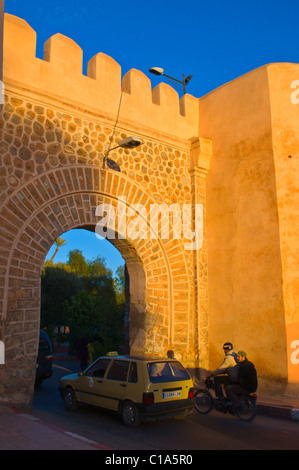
80,374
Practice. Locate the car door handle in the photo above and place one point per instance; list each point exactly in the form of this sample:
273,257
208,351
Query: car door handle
123,385
100,381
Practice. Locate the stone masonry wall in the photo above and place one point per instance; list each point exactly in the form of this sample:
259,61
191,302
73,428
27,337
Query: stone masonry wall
52,179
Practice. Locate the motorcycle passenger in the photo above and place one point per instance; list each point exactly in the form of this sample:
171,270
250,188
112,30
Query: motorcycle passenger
227,372
246,380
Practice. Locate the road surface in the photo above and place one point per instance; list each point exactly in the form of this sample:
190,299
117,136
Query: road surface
215,431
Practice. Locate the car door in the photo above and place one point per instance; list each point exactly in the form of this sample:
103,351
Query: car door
115,383
91,383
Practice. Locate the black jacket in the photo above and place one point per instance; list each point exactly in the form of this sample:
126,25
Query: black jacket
247,376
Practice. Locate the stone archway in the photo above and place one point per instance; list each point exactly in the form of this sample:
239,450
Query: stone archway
55,128
35,216
57,124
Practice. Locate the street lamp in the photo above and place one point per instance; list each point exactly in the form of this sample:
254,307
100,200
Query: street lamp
160,71
128,143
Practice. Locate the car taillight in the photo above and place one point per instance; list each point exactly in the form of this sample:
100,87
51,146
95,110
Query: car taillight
191,393
48,358
148,398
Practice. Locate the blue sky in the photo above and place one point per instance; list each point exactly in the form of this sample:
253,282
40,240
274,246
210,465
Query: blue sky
215,41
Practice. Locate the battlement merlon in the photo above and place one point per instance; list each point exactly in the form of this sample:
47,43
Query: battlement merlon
59,74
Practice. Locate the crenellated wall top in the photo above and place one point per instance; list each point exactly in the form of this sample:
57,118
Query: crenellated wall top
59,74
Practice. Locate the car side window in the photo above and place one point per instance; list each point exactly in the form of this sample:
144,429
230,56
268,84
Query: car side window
98,369
133,377
119,370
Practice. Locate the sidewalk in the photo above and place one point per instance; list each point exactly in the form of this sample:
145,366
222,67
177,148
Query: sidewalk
21,431
283,407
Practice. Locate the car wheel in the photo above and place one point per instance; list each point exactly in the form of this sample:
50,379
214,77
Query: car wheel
69,399
130,415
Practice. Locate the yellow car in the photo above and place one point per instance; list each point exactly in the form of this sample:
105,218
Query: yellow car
138,388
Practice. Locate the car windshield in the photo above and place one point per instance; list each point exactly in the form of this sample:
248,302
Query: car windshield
165,371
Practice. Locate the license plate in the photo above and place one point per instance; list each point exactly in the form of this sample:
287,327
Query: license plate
175,394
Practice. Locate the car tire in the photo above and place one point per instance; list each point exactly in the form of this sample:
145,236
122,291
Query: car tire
69,399
130,415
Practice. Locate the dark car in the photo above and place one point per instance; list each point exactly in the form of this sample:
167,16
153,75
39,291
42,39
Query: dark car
44,359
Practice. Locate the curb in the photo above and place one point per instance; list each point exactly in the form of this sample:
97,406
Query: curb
61,430
283,412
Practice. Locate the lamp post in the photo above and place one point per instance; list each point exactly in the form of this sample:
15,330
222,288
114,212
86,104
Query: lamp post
160,71
128,143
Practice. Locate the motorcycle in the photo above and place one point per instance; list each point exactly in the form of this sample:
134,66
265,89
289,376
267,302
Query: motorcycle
205,402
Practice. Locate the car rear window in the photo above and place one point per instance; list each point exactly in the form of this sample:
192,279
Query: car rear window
165,371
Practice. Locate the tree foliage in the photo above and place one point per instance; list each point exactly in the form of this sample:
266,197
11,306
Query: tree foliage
59,243
57,286
83,295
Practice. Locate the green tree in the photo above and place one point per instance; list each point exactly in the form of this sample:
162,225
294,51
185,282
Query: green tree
59,243
96,313
85,296
82,311
77,263
97,267
57,286
119,284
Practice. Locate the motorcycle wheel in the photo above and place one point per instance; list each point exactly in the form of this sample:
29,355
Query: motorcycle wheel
247,411
203,401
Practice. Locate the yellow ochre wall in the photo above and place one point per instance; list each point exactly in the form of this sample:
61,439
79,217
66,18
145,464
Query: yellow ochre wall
284,98
252,218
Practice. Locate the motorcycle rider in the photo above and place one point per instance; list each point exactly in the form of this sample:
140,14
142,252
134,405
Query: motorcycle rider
227,372
246,381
